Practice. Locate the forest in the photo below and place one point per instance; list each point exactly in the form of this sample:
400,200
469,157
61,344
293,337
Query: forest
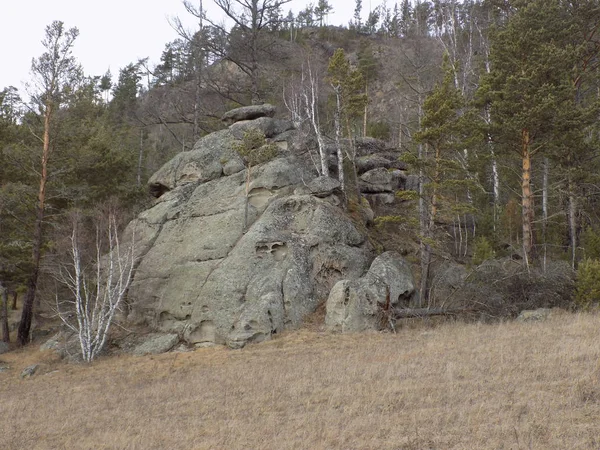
494,106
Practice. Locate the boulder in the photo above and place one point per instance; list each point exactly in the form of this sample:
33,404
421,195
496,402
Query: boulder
29,371
4,347
368,146
248,113
379,180
156,343
268,126
534,315
368,302
203,163
377,161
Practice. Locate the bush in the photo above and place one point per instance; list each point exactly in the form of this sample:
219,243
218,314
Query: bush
254,148
587,285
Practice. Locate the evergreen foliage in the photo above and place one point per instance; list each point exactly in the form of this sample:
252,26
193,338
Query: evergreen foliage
587,286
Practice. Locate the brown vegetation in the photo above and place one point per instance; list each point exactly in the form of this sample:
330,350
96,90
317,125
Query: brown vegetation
456,386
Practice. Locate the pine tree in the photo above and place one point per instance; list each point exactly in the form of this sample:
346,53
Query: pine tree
442,132
350,101
532,60
55,71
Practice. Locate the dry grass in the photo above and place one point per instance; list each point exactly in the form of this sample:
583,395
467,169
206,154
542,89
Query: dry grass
456,386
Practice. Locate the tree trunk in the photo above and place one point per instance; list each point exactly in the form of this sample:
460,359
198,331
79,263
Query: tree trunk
14,300
38,237
545,210
247,202
527,197
572,221
140,159
4,314
338,144
366,111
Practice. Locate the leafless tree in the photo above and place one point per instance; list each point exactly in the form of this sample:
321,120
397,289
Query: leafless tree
247,39
96,289
302,101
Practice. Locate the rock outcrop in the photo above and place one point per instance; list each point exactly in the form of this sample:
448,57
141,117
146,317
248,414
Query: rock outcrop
248,113
368,302
226,263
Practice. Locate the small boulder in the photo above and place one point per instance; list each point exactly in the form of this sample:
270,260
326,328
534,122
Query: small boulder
29,371
156,343
248,113
377,180
534,315
268,126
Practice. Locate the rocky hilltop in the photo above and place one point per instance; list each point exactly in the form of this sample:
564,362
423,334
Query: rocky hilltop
228,259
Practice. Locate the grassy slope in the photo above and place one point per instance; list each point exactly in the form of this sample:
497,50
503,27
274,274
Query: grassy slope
457,386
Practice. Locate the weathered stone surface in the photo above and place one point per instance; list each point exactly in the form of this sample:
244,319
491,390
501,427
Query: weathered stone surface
320,187
248,113
378,161
385,198
155,344
223,262
362,304
203,163
368,146
412,183
4,347
268,126
378,180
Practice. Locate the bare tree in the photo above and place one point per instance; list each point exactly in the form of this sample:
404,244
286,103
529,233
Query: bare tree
247,40
54,71
302,101
97,289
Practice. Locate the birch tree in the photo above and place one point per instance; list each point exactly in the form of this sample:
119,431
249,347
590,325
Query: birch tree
97,288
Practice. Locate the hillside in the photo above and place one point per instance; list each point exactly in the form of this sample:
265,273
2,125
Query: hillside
455,386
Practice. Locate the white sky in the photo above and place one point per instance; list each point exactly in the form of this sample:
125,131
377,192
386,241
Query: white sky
113,33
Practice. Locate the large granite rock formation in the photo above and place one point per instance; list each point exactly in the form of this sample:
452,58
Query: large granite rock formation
206,275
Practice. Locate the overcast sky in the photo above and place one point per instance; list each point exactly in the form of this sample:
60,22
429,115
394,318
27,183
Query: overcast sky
113,33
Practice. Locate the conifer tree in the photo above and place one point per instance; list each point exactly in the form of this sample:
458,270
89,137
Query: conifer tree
532,59
349,92
443,133
55,72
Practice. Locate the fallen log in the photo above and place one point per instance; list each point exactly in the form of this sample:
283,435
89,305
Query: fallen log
426,312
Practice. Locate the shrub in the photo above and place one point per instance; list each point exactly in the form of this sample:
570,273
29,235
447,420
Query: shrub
587,285
254,148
